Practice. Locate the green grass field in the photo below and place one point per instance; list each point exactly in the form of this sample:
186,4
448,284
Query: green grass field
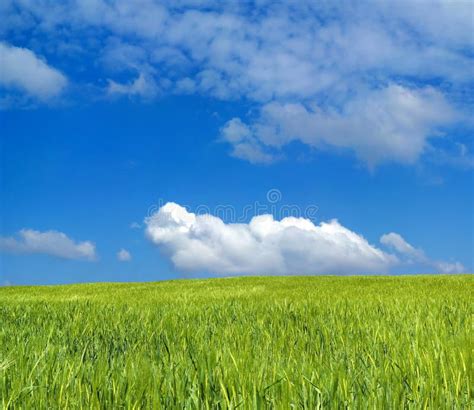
263,342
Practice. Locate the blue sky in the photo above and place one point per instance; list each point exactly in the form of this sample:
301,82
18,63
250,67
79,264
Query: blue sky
122,125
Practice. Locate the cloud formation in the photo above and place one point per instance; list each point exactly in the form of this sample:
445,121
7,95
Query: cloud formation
410,254
52,243
245,143
396,242
204,243
391,124
123,255
21,69
142,86
328,75
265,246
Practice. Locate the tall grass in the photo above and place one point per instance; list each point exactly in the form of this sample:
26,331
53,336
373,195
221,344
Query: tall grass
273,342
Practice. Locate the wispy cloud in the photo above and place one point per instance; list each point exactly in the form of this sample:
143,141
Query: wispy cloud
324,74
409,254
52,243
124,256
142,86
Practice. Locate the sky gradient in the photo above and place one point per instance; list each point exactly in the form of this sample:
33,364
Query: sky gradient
153,141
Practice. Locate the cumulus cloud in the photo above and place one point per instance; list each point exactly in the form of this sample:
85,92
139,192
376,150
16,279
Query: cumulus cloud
390,124
21,69
410,254
52,243
263,246
123,255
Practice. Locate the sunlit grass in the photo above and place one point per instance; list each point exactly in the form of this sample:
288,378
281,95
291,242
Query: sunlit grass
306,342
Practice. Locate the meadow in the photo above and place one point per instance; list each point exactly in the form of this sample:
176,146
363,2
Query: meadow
248,342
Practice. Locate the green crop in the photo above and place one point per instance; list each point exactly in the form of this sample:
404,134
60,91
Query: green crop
250,342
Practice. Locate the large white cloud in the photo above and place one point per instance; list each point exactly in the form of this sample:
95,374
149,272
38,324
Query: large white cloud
49,242
21,69
199,243
391,124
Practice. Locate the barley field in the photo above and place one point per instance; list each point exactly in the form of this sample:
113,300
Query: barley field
249,342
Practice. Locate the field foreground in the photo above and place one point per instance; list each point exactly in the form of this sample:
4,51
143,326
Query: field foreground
263,342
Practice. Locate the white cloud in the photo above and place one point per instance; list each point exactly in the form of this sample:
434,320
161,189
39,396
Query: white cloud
21,69
143,86
391,124
49,242
123,255
396,242
263,246
410,255
325,67
244,144
455,17
449,267
279,49
135,225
